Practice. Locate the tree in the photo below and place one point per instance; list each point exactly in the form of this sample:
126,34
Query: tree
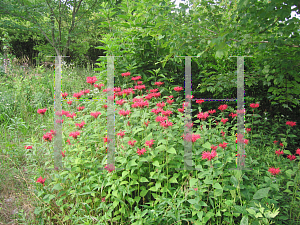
57,20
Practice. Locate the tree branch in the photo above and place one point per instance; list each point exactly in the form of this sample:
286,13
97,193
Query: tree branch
257,42
269,26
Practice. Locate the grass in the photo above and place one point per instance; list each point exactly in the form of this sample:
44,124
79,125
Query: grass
75,197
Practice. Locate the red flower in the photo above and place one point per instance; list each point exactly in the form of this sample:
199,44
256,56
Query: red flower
86,91
121,134
110,168
278,152
253,105
181,110
124,113
178,89
71,115
77,95
199,101
63,153
291,157
80,125
202,115
146,123
170,101
104,106
149,143
160,104
80,108
41,180
189,97
275,142
64,95
91,80
103,199
154,90
141,152
136,78
223,107
28,147
140,87
298,151
209,155
74,134
214,147
132,142
98,86
233,115
248,130
69,102
224,120
105,139
95,114
159,83
120,102
166,124
48,137
68,141
139,82
291,123
223,145
274,171
53,132
223,133
211,111
125,74
281,144
171,96
42,111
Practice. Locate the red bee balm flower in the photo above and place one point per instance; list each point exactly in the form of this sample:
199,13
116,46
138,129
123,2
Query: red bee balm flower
178,89
291,123
274,171
42,111
91,80
253,105
28,147
223,107
141,152
74,134
209,155
41,180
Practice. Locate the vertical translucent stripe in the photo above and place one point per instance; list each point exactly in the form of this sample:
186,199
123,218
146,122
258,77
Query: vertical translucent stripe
188,161
57,115
240,116
110,111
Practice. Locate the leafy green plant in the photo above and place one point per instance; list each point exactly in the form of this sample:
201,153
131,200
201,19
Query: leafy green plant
149,189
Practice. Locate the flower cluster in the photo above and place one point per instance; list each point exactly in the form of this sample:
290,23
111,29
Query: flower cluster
95,114
91,80
291,123
42,111
209,155
141,152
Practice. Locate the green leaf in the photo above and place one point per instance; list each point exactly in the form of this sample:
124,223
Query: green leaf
57,187
143,193
173,180
156,163
217,186
192,201
171,150
144,179
207,145
261,193
115,203
244,220
193,182
218,192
